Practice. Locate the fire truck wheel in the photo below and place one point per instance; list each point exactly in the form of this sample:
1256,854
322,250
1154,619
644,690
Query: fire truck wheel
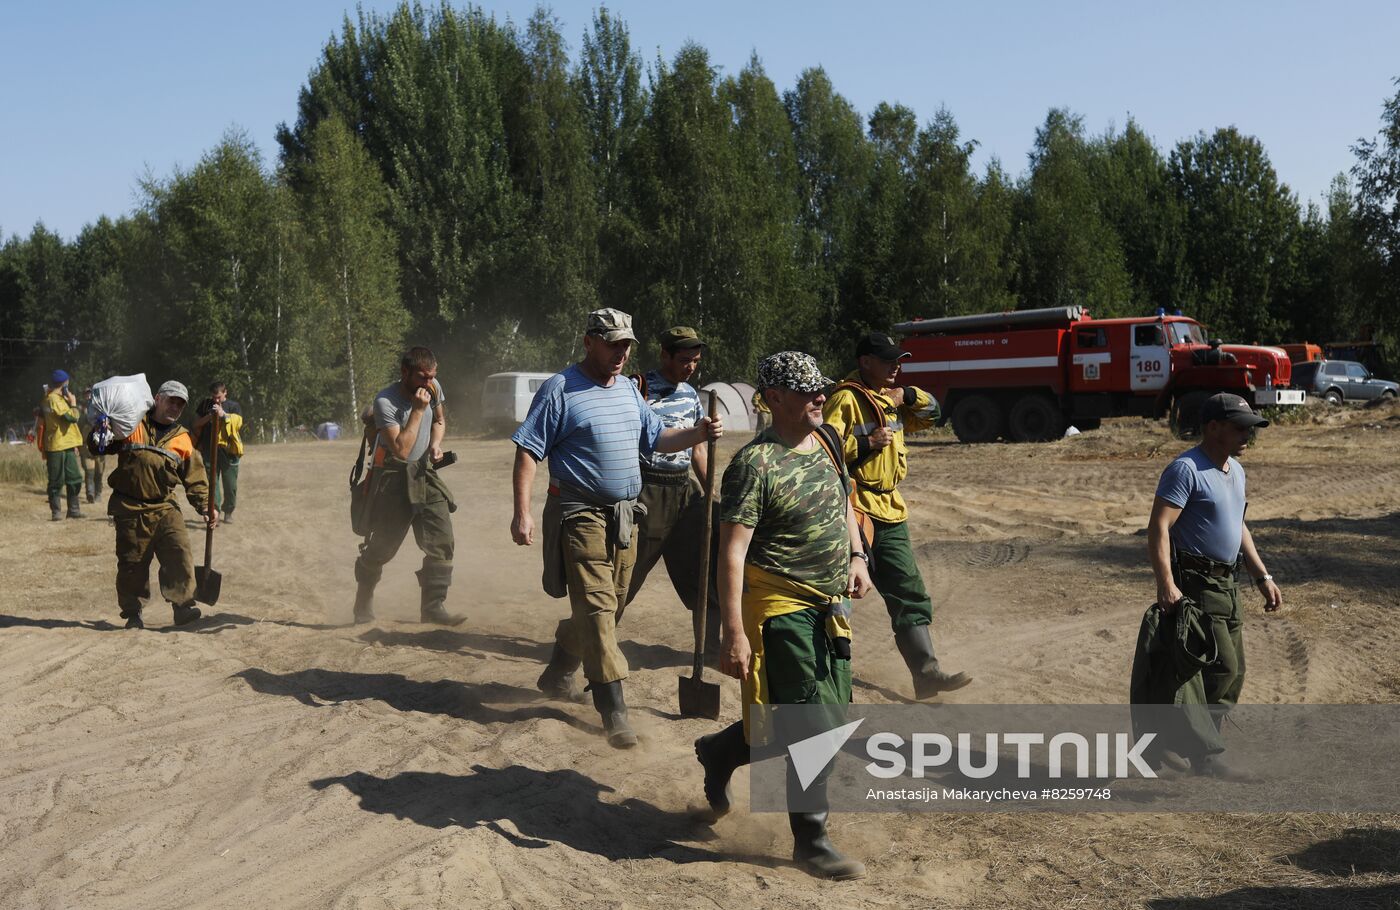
1035,418
1186,415
977,418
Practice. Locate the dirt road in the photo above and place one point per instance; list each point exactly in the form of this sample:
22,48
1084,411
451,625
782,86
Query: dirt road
275,756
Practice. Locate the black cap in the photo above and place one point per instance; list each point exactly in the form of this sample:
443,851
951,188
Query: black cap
878,344
1232,408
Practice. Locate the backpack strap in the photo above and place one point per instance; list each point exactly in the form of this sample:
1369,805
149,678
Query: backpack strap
831,441
863,393
357,472
640,379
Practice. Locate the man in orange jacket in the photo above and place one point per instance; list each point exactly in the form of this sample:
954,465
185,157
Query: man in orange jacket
156,459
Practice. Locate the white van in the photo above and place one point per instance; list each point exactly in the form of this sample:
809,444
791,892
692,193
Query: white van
506,397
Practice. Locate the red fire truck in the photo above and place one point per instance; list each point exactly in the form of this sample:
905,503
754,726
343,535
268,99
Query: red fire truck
1026,375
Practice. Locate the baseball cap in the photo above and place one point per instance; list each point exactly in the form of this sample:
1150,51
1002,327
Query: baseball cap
1232,408
173,389
610,324
791,370
680,337
879,344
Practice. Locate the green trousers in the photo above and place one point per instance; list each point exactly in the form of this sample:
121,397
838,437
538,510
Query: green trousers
226,483
801,667
800,662
896,576
64,473
1219,600
93,468
391,517
158,534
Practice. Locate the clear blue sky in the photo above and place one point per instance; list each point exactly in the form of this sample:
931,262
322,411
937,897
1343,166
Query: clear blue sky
92,94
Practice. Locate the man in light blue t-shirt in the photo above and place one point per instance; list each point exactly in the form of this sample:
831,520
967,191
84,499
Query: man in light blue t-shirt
1197,535
592,424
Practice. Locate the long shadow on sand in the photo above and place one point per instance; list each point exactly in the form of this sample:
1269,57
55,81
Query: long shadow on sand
1289,897
639,656
473,702
209,623
545,807
29,622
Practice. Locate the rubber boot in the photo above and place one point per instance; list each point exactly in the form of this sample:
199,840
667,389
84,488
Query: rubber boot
916,647
73,510
186,613
433,581
559,679
366,578
721,754
56,506
811,847
90,488
607,698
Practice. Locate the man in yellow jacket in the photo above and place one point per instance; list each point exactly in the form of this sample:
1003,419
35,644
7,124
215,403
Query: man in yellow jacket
61,440
871,412
227,422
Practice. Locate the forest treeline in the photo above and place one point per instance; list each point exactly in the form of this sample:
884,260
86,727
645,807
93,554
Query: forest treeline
478,185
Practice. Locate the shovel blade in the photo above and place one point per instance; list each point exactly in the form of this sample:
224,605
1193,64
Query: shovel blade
699,698
207,584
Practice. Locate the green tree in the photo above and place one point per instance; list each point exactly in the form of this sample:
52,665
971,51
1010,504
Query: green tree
833,162
352,262
1240,225
1070,254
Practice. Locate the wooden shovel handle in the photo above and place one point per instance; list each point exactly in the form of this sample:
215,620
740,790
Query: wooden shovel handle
702,604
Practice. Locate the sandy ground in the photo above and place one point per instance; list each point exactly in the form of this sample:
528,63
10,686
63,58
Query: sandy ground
272,755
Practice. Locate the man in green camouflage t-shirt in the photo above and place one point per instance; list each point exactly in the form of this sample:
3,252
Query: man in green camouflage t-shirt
790,556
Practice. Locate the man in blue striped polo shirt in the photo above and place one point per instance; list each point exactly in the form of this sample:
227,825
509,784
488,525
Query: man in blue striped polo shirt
591,425
674,519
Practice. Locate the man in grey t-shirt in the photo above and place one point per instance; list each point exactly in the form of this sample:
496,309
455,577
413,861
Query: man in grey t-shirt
1195,536
405,490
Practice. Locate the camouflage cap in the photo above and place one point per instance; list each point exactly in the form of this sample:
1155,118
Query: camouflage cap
680,337
791,370
610,325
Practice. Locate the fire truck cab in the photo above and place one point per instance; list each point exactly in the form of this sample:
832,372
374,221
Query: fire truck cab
1026,375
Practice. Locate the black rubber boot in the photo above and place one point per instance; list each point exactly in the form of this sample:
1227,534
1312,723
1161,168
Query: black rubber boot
186,613
434,580
365,580
560,678
916,647
73,510
607,698
814,852
56,506
721,754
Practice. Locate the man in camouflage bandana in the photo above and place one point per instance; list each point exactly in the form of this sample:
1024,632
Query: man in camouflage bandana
790,556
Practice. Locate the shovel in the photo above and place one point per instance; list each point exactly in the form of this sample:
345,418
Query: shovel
700,698
207,582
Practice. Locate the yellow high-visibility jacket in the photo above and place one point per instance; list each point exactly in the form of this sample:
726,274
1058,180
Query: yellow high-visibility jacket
60,424
879,475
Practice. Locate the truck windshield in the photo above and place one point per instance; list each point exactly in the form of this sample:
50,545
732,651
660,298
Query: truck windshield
1186,333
